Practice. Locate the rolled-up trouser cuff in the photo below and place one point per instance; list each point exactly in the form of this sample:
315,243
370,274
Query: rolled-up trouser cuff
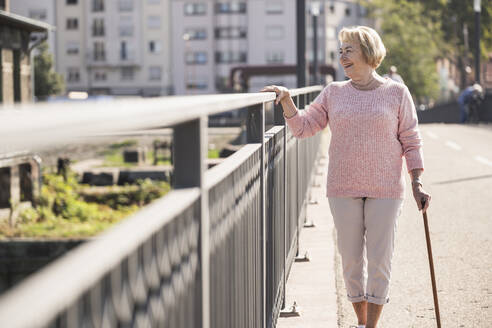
355,299
377,300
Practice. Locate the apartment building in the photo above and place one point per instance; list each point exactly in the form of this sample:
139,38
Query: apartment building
115,47
210,37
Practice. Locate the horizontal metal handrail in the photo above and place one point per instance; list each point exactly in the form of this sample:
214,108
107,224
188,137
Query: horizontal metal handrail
40,126
61,283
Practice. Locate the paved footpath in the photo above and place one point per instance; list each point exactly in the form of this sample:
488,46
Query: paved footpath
458,175
312,284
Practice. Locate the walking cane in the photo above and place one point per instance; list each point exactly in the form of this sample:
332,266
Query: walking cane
431,265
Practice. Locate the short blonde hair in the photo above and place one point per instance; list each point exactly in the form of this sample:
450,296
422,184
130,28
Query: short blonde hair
370,43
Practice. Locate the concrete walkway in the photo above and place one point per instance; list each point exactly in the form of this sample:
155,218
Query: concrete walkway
312,284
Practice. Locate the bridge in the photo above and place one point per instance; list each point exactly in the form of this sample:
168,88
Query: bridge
214,252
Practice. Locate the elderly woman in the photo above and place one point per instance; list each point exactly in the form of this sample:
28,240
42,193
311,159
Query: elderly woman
373,123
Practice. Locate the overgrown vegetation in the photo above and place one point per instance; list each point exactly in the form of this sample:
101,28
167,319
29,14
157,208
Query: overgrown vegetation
68,209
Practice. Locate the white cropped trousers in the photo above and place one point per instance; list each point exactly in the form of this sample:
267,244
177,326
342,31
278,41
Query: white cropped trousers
366,229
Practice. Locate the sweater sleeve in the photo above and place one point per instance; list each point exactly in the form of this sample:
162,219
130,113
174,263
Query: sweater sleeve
409,134
306,123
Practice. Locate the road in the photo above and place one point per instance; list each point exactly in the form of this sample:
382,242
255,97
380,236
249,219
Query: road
458,175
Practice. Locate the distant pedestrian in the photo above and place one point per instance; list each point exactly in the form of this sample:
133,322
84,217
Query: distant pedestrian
469,100
373,124
394,75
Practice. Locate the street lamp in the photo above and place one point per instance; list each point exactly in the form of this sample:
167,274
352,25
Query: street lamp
315,12
477,9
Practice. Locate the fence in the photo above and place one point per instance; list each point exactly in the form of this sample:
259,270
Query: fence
214,252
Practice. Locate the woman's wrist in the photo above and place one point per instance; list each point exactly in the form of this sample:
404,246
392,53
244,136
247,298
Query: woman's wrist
416,182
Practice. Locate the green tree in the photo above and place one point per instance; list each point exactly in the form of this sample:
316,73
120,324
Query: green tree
46,81
455,15
413,41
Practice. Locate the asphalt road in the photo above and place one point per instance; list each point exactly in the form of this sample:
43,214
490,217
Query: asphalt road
458,175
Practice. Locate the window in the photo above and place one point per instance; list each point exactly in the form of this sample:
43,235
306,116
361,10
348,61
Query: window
230,32
196,33
73,47
99,52
98,27
71,2
197,57
274,32
332,9
229,57
125,5
100,76
154,22
72,23
347,11
123,51
275,57
126,30
274,8
127,73
191,9
230,8
155,73
39,14
97,5
73,74
155,47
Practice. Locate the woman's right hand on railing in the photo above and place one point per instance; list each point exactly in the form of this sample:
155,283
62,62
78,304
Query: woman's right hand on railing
280,91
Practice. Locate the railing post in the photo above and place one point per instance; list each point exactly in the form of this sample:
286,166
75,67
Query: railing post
256,134
189,153
280,120
300,105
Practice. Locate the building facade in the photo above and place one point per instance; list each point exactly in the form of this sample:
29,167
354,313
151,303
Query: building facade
115,47
162,47
210,37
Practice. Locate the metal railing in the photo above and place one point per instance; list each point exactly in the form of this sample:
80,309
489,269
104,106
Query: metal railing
214,252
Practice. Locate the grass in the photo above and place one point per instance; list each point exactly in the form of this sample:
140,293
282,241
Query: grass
67,210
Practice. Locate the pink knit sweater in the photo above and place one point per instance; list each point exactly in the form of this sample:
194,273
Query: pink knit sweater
370,132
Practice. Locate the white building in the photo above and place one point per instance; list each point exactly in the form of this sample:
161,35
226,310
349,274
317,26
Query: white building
210,37
160,47
118,47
